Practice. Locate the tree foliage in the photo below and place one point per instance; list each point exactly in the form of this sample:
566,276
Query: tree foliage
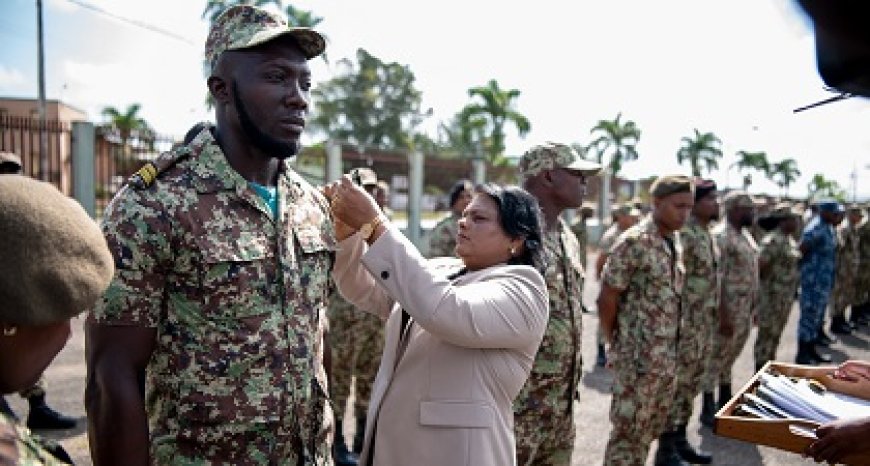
126,125
819,187
617,139
784,173
483,120
369,103
698,149
748,161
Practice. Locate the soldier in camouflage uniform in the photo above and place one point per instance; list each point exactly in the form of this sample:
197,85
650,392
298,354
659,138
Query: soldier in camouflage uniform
738,299
639,306
207,348
844,291
356,341
544,421
778,271
442,240
578,227
861,310
700,316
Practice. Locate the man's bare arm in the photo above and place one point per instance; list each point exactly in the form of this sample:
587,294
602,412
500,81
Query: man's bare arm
115,395
608,300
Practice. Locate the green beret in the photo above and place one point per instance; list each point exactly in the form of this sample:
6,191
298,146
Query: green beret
671,184
55,262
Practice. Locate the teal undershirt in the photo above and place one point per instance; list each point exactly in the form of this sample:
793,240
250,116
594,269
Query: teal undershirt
269,196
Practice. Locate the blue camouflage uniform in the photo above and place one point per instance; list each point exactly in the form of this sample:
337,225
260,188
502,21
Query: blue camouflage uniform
817,276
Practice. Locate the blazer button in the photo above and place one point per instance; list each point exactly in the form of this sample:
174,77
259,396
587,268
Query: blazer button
385,275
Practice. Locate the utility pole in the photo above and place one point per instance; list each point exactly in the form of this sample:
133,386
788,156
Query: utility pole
40,70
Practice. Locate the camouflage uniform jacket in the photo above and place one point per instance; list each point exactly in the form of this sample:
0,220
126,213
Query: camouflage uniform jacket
862,278
701,291
443,238
579,229
30,451
781,254
237,298
551,388
609,238
650,273
739,291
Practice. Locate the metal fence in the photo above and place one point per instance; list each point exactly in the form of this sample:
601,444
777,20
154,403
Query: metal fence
22,136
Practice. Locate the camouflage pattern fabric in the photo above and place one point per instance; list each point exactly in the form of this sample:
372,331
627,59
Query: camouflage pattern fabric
543,411
700,317
28,447
608,239
845,293
582,235
649,270
739,291
817,277
357,342
238,301
862,278
443,239
777,288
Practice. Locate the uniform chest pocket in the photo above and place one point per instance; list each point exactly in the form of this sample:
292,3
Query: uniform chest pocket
238,274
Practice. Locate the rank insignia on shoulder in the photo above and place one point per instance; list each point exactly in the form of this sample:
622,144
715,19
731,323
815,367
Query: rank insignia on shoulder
147,175
144,177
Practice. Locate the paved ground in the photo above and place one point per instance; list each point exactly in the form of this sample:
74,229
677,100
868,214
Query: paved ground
66,385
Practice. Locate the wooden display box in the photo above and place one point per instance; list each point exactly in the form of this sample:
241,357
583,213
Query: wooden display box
779,434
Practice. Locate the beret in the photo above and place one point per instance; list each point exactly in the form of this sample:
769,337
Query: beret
56,263
664,186
783,210
703,187
738,199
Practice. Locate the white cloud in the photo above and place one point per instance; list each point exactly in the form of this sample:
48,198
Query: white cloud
11,79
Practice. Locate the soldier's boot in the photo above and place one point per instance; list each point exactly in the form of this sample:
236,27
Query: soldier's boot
601,357
860,314
823,339
724,395
666,454
687,451
821,357
840,326
41,416
708,410
340,453
805,354
359,434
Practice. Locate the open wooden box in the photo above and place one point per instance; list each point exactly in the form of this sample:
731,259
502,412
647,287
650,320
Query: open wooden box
779,433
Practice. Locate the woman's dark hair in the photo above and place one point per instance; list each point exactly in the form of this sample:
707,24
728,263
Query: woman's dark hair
520,216
457,189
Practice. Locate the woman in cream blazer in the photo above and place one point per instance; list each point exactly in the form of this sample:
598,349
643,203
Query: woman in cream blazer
459,347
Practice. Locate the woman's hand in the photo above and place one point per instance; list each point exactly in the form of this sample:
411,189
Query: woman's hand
350,204
839,439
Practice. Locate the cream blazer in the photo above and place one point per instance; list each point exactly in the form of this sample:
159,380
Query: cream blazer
443,394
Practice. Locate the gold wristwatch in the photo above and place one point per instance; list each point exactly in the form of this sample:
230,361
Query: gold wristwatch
367,229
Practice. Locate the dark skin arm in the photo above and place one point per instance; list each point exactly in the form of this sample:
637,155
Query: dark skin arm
608,299
840,439
599,264
114,396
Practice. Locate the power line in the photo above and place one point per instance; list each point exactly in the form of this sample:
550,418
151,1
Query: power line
134,22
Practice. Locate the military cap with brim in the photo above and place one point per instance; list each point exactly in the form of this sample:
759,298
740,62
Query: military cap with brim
551,155
830,205
10,158
783,210
246,26
55,262
366,176
738,199
672,184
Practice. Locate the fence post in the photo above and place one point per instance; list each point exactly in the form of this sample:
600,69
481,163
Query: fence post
84,188
415,196
333,160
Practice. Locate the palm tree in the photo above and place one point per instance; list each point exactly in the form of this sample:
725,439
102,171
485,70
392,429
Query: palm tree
127,124
747,161
617,138
819,186
784,173
701,148
495,108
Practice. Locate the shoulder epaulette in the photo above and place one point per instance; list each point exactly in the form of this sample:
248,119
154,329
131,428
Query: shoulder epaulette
145,176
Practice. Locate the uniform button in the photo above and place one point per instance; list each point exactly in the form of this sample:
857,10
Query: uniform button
385,275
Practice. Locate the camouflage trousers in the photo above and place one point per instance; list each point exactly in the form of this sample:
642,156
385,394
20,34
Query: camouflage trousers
730,347
639,411
843,295
356,339
544,440
772,316
814,300
696,344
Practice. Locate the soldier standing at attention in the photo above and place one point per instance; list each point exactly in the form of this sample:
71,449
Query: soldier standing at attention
639,306
579,228
818,246
738,296
544,409
700,318
443,238
861,307
356,339
844,291
207,348
778,273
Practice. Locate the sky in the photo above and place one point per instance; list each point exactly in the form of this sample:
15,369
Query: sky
735,68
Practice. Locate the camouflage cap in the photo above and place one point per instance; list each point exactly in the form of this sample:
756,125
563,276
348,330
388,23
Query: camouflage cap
550,155
628,209
784,210
672,184
56,263
246,26
10,158
367,176
738,199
